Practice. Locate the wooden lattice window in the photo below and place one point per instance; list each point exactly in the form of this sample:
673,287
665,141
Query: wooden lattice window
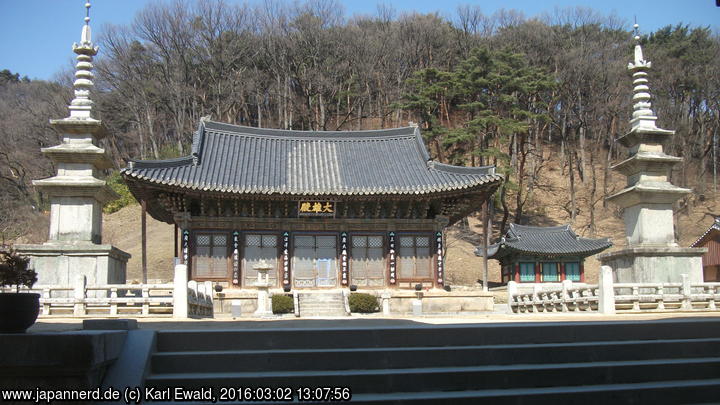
414,258
527,272
572,271
211,259
367,261
550,271
259,247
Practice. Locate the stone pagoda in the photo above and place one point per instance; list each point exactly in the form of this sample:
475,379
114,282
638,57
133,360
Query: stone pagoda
74,247
652,254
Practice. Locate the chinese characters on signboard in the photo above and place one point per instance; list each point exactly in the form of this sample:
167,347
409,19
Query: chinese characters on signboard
391,245
316,208
185,244
286,258
440,267
344,257
236,258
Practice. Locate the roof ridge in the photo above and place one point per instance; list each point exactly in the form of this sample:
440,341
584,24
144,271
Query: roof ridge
233,129
171,162
490,169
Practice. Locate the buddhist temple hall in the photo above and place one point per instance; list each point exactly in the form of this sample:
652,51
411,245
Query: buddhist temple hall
324,209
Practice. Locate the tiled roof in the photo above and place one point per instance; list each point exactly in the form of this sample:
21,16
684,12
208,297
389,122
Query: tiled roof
237,159
714,228
545,241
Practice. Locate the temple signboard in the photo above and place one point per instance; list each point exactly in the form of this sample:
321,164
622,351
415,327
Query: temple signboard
316,208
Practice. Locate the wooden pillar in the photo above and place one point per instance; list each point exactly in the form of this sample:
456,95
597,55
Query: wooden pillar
538,270
176,242
582,271
143,232
517,271
561,270
486,241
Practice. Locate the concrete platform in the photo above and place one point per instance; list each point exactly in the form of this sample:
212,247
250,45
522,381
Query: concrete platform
69,324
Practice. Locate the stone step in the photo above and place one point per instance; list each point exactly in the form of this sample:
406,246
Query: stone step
435,335
322,304
658,392
321,312
455,378
393,357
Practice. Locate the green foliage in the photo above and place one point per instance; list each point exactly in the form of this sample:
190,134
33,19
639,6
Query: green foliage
14,270
114,180
363,303
282,304
7,76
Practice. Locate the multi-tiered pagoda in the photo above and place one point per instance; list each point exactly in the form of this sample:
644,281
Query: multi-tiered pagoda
74,247
652,254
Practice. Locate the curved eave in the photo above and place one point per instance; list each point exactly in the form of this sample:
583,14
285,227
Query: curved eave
459,185
702,240
507,250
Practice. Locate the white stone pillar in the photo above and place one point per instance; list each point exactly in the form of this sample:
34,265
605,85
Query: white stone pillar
180,292
686,291
606,291
566,285
512,290
385,296
79,294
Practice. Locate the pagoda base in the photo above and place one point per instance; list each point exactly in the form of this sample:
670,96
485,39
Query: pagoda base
65,263
662,264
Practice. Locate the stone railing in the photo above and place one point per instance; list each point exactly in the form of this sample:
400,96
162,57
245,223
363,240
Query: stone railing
570,298
683,296
134,300
608,297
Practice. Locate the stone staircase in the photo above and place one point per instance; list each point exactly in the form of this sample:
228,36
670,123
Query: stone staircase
676,361
321,304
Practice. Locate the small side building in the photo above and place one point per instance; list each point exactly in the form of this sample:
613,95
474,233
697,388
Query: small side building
534,254
711,259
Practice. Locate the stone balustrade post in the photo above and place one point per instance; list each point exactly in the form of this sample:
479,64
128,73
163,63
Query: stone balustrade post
606,299
79,293
566,285
711,303
512,290
180,292
146,300
209,297
46,303
113,301
537,303
296,303
385,296
686,291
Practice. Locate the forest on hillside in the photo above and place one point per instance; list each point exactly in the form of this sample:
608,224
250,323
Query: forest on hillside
497,89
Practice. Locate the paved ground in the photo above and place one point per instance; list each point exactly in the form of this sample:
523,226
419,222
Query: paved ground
66,324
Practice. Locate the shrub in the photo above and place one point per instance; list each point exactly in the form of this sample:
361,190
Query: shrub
282,304
363,303
116,183
14,270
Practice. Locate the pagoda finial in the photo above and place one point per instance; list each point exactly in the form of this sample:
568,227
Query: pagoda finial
643,116
85,37
81,105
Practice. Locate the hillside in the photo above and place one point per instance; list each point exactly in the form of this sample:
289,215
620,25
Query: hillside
546,207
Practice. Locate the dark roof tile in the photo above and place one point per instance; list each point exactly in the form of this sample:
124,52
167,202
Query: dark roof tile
545,241
236,159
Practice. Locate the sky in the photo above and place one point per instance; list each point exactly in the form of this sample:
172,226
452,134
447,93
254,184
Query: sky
37,35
